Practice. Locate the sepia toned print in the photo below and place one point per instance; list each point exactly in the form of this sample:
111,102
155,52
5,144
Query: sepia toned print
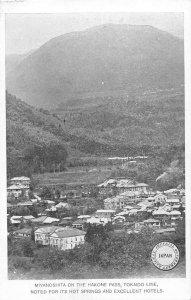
95,145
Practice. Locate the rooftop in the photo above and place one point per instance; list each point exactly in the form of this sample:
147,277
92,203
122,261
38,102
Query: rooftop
39,219
171,191
151,221
175,212
83,216
23,230
105,211
50,220
28,203
22,178
66,232
81,222
176,200
16,187
48,229
28,217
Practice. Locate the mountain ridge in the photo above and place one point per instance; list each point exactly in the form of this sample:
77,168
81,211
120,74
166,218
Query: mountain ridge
102,59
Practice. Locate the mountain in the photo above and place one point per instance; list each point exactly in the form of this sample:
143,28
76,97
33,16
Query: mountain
13,60
106,60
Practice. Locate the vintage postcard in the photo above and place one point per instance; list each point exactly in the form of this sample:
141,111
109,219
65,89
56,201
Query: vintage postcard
95,119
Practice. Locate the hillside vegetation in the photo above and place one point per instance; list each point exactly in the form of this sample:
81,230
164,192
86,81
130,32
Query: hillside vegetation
41,141
140,120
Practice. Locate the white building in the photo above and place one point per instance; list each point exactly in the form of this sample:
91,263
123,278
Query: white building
105,213
175,214
24,181
98,220
42,234
152,223
160,198
123,185
173,202
67,238
160,213
17,190
84,217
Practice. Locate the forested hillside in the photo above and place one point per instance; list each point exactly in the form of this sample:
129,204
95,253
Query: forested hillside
152,119
39,140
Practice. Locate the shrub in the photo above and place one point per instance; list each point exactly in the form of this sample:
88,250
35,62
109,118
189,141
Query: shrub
23,263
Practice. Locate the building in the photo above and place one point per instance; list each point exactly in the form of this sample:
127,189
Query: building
63,205
79,224
15,220
151,200
67,238
183,201
165,231
175,214
160,213
98,220
24,181
27,218
17,190
42,234
84,217
112,203
124,186
121,200
25,204
23,233
121,185
19,186
67,221
105,213
44,220
152,223
173,202
160,198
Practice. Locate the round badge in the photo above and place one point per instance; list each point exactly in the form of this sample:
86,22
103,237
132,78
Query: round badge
165,256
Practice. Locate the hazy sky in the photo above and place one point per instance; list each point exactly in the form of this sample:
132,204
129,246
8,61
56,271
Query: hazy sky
25,32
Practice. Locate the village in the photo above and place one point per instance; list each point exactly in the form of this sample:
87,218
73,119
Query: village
60,218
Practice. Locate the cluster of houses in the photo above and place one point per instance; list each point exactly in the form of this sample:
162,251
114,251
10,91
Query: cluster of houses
161,211
130,207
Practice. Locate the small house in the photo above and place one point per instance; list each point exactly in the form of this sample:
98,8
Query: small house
22,233
152,222
79,224
24,181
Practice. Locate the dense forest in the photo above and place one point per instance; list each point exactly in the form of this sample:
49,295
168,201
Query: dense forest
41,141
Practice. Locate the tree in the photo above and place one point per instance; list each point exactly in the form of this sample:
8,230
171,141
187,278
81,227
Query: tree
27,247
46,193
57,193
95,231
22,225
33,234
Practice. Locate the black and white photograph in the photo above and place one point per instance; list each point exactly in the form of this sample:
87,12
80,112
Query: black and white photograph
95,147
